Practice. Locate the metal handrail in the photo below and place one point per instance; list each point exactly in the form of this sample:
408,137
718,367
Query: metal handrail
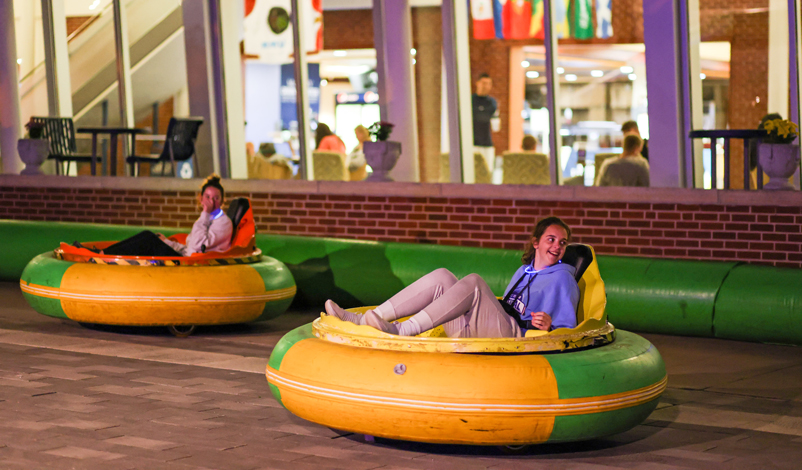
747,135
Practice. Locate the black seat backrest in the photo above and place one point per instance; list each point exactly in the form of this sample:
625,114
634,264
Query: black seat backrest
579,256
60,132
236,210
181,136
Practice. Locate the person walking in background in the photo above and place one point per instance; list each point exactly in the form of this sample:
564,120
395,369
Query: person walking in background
631,128
485,119
326,141
630,169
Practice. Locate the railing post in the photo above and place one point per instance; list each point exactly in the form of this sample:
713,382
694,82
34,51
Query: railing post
726,163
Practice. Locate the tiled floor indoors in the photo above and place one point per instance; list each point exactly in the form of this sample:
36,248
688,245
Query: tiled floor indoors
73,397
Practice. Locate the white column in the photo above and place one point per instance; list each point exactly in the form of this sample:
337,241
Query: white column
231,22
778,57
457,62
200,81
123,67
26,36
671,37
307,168
10,126
57,58
392,32
552,91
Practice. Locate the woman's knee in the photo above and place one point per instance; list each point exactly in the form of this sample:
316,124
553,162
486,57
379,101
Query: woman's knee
444,277
474,280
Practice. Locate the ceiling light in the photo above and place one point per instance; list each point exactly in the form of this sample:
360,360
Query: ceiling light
702,76
340,53
560,70
532,74
324,82
19,61
632,76
414,61
627,69
524,63
413,51
94,4
570,77
596,73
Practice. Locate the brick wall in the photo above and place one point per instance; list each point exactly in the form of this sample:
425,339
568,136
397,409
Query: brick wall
702,225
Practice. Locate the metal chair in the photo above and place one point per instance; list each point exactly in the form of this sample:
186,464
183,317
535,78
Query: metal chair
179,146
60,133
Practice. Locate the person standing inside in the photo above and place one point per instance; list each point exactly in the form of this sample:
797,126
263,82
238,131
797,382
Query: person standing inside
485,119
631,128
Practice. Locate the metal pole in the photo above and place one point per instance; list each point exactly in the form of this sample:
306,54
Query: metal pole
123,71
306,168
552,90
57,59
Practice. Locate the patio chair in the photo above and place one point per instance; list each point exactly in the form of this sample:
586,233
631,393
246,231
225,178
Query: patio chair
526,168
329,166
179,146
60,133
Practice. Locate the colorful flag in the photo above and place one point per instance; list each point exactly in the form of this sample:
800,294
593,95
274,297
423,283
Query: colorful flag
517,16
483,24
562,26
583,23
536,25
604,18
498,23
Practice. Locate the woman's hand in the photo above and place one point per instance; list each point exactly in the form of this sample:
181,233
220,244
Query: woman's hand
207,205
161,237
541,320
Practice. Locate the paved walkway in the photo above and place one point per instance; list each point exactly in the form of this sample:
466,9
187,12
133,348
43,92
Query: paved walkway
72,397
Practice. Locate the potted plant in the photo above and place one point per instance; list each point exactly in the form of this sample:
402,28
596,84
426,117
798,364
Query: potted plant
381,154
777,155
34,149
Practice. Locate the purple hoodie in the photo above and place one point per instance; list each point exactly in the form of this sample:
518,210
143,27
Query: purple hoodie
552,290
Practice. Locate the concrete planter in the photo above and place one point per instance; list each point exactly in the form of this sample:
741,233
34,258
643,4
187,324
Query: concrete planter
33,152
382,157
779,161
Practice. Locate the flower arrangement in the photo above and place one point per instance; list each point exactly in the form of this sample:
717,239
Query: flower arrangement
380,131
780,131
36,130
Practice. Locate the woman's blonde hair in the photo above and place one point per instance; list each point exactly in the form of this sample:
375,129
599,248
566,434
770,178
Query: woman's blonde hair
537,232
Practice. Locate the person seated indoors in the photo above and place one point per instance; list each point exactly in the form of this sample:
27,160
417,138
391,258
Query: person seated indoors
211,232
326,141
542,295
630,169
529,144
356,159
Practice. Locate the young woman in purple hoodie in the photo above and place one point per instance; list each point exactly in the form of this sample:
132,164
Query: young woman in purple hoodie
542,295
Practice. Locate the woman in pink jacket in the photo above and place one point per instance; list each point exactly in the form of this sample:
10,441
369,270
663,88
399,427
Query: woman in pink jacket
326,141
211,232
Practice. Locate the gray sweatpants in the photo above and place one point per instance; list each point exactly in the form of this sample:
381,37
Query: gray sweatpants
466,308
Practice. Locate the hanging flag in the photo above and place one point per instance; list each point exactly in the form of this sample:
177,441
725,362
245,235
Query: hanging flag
268,30
536,25
498,22
583,24
562,26
604,18
483,24
517,16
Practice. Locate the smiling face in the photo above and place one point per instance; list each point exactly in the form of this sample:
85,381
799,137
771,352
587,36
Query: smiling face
211,199
550,248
